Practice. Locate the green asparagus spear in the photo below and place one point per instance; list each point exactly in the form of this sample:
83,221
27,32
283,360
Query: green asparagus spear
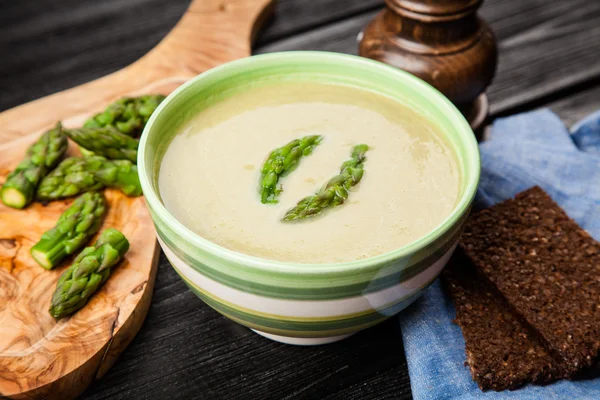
19,189
127,115
118,174
106,142
334,192
90,269
281,162
77,175
70,178
72,231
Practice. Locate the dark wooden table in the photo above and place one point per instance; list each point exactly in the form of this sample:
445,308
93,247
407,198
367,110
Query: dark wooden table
549,57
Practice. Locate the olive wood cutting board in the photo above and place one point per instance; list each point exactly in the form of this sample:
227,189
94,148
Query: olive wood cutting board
43,358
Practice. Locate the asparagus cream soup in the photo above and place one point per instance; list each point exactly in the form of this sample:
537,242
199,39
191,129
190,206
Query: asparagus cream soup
210,174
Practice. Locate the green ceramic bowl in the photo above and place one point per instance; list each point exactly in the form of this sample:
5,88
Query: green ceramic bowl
293,303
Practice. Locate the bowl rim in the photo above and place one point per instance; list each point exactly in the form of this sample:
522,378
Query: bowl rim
443,104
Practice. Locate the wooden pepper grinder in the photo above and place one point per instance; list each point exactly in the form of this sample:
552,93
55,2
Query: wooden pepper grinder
443,42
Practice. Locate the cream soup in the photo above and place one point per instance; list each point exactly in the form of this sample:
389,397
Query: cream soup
209,175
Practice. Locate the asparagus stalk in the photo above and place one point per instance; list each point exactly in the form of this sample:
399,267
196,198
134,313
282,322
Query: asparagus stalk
281,162
78,175
127,115
118,174
90,269
19,189
72,231
70,178
334,192
107,142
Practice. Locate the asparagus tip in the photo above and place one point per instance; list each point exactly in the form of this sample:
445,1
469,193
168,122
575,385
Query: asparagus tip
56,314
85,152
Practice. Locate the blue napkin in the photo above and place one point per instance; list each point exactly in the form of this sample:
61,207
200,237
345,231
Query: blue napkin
529,149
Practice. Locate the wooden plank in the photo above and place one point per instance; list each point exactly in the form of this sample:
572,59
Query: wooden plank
511,17
187,350
51,46
339,37
575,107
553,49
55,45
544,46
295,17
571,105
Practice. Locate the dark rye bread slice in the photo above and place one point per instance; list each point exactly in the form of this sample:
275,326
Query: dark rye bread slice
502,353
546,267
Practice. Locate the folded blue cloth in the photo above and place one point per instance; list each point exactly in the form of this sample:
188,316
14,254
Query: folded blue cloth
525,150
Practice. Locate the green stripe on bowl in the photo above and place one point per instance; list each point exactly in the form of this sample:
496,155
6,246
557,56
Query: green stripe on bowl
294,326
302,334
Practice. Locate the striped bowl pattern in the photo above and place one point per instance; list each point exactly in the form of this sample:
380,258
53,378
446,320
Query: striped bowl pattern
306,303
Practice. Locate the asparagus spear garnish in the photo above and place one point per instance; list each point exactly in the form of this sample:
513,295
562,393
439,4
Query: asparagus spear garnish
20,186
127,115
334,192
77,175
90,269
281,162
72,231
106,142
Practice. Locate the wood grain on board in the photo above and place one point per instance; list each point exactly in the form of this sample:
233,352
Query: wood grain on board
39,356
